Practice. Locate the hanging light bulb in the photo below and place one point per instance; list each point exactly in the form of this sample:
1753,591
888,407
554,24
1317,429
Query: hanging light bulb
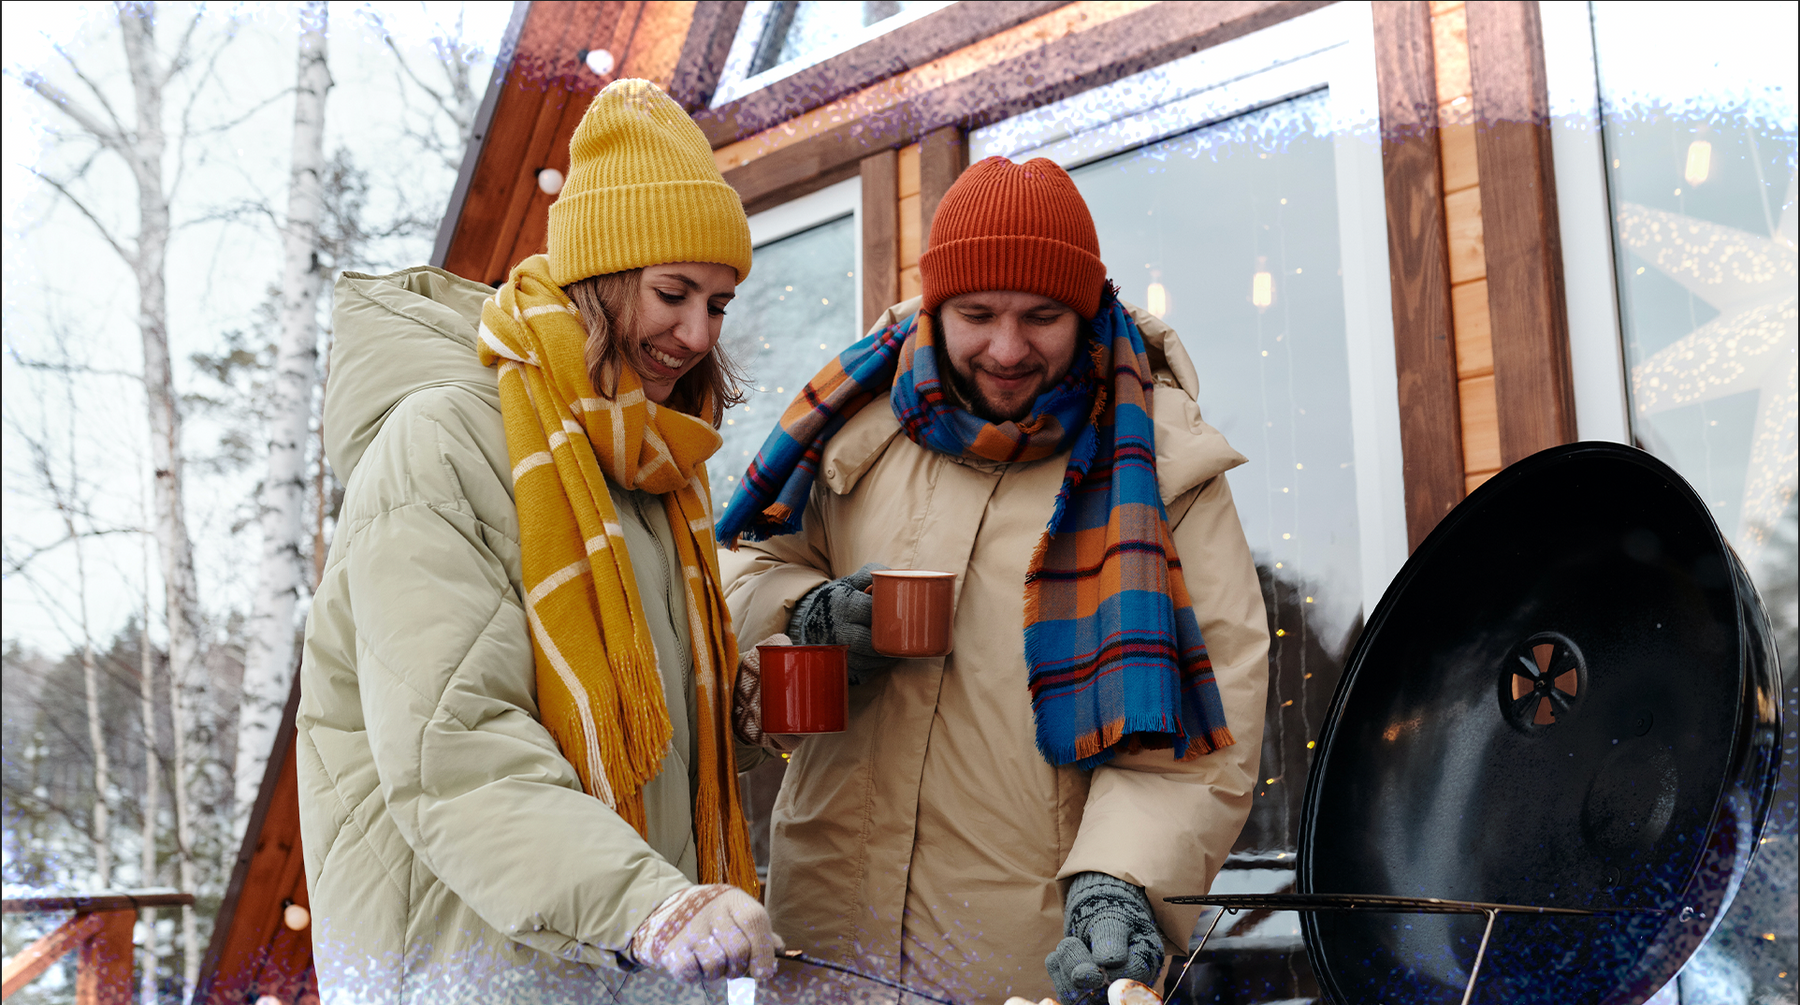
598,60
1262,285
295,917
1699,162
1156,299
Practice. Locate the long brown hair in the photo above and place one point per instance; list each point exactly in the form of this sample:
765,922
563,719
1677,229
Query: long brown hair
608,306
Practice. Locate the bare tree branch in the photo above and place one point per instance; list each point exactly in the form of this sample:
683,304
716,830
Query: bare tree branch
113,138
178,61
25,796
70,369
187,111
74,200
94,88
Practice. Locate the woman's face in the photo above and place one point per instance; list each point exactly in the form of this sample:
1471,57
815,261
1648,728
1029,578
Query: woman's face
680,308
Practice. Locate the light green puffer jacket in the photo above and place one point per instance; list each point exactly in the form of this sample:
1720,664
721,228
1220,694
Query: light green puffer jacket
450,852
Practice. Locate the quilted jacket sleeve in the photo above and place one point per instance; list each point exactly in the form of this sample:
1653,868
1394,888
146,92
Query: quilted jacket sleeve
474,783
765,579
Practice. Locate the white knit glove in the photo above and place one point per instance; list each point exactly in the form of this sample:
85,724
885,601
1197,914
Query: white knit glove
707,933
746,704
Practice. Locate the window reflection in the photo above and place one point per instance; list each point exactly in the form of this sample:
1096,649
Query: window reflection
795,312
1700,145
1230,233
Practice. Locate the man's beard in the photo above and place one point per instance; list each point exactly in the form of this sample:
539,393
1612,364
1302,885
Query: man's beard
969,395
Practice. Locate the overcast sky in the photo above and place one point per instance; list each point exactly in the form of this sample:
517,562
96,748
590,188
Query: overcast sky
58,274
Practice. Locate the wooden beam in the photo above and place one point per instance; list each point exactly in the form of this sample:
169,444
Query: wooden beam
103,973
651,49
888,55
41,955
880,234
269,869
943,154
103,902
1533,385
703,53
1074,63
1418,265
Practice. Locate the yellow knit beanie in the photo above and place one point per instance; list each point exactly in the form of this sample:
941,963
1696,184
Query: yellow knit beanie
642,190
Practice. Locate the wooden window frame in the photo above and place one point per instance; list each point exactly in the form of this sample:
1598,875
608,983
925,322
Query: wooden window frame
912,44
1071,64
703,54
1584,213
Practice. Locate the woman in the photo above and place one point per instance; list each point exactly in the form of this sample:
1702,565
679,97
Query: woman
516,768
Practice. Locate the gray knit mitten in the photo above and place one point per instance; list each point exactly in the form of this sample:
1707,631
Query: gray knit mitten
838,613
1109,933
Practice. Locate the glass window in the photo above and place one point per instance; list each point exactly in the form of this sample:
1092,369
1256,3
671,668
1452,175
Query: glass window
776,38
1699,131
795,311
1248,274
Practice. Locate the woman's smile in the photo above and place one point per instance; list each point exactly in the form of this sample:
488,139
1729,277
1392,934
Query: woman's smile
674,364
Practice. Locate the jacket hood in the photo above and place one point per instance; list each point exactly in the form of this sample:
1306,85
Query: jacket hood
393,335
1188,451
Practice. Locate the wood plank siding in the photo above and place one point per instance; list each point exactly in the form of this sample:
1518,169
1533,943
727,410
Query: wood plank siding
1467,241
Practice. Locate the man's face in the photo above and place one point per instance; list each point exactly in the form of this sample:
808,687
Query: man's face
1005,348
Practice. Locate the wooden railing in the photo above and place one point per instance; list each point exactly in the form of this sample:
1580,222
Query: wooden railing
100,932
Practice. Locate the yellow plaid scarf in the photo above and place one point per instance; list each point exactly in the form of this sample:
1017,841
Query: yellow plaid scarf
599,692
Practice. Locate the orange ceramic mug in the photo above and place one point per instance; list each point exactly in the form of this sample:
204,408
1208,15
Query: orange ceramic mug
805,689
913,610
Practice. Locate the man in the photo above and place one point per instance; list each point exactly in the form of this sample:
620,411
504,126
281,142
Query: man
1006,820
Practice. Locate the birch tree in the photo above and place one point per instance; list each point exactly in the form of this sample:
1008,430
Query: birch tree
283,574
140,138
323,229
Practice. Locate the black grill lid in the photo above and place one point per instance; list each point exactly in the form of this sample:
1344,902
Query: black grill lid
1566,698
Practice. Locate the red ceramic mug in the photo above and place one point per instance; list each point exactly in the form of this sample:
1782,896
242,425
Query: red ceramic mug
805,689
913,610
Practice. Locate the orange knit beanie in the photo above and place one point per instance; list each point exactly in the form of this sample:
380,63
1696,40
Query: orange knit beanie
1006,226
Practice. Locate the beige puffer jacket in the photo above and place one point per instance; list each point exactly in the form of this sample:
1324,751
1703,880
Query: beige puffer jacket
926,843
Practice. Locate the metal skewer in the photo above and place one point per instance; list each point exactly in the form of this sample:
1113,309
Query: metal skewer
799,956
